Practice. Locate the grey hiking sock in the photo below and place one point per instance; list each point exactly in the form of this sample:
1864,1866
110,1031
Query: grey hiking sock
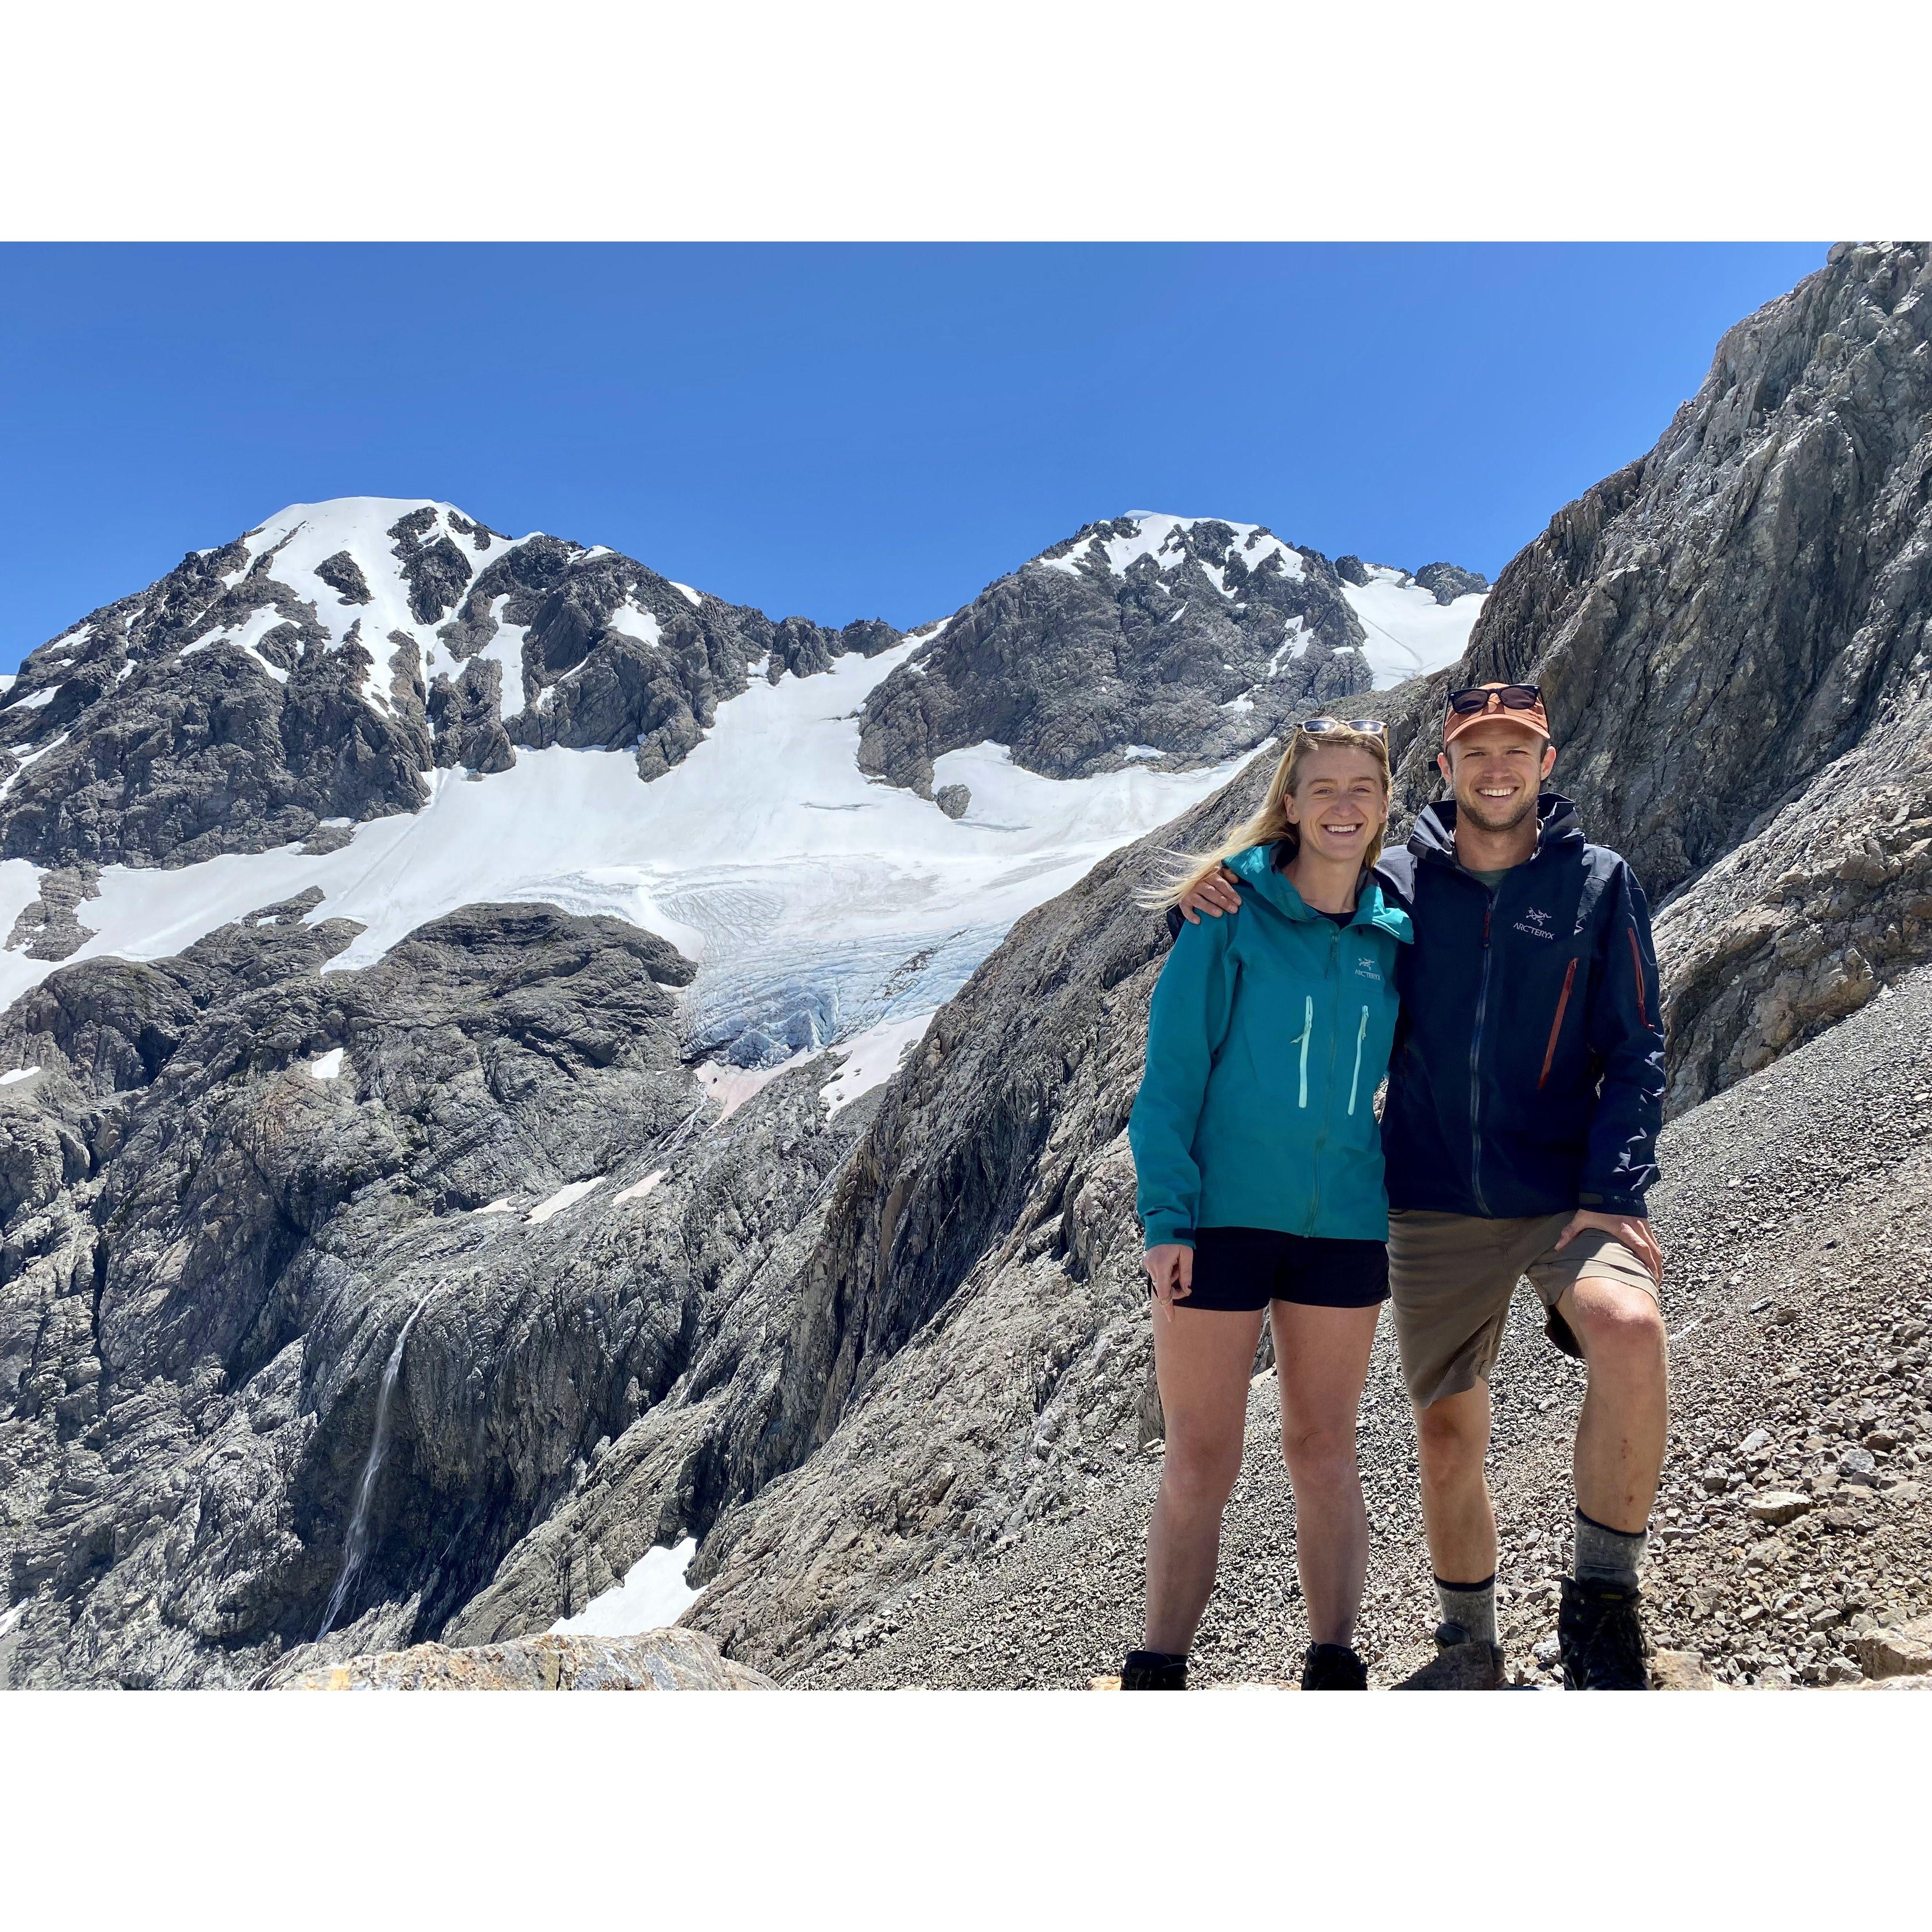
1606,1555
1472,1605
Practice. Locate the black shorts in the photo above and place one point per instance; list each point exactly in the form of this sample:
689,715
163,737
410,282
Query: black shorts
1246,1268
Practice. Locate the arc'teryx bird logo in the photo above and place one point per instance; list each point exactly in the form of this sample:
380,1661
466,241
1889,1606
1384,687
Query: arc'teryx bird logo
1536,922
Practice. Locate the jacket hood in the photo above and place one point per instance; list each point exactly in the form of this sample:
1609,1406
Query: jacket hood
1255,868
1434,836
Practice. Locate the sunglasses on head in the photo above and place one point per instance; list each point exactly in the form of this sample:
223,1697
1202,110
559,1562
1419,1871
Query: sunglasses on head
1318,728
1466,702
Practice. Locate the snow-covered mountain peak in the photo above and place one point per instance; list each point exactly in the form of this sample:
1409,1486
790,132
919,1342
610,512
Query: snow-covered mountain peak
1171,541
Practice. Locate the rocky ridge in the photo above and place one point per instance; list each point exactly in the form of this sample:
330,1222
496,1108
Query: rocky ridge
306,676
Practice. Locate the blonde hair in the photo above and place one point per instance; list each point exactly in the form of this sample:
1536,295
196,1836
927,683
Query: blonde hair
1271,824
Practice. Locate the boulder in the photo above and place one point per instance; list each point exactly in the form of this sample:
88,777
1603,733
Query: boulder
1903,1650
664,1659
1680,1670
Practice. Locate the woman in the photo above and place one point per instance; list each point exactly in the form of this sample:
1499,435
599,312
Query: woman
1260,1169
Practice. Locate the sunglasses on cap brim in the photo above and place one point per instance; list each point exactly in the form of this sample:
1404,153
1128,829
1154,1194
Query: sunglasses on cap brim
1465,703
1317,727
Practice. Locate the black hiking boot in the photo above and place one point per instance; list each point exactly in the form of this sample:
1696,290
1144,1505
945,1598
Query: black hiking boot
1601,1637
1153,1670
1332,1666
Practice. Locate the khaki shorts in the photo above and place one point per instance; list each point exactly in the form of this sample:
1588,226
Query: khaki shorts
1451,1277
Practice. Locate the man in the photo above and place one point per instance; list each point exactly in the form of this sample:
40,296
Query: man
1524,1097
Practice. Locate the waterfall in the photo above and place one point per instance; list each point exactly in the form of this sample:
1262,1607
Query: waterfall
355,1547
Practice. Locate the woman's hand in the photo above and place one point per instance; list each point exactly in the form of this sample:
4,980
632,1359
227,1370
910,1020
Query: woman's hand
1216,894
1170,1267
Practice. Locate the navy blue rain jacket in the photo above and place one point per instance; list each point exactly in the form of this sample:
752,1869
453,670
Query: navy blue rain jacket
1527,1072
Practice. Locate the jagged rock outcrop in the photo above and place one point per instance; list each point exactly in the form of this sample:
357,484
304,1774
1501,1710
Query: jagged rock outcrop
316,668
665,1660
234,1178
1446,582
1181,641
1734,635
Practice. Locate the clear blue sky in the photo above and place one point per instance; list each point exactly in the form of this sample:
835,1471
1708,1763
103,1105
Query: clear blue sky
836,431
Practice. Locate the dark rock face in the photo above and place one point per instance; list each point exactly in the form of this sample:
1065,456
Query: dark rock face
211,1247
1446,582
1732,636
49,928
135,747
1190,639
614,655
250,695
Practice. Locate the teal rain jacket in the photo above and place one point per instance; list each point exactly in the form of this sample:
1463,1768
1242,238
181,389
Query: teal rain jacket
1269,1032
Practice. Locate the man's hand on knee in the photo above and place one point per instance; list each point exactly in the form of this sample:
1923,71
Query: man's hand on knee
1635,1234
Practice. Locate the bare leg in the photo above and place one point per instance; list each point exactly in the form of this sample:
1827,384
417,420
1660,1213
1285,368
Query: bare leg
1620,1435
1452,1437
1203,1358
1321,1360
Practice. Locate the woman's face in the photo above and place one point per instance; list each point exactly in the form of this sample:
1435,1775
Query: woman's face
1338,803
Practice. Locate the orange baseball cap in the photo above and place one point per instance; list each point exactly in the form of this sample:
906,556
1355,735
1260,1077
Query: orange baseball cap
1480,703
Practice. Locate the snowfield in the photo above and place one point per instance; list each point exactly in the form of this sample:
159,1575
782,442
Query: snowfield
817,902
1410,635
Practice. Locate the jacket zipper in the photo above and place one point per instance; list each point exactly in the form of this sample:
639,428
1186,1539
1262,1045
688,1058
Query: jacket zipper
1556,1024
1361,1034
1328,1086
1307,1027
1475,1057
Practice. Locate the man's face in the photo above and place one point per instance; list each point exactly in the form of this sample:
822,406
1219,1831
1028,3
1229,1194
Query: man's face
1495,770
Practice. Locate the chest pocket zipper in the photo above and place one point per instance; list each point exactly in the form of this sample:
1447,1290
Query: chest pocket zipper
1361,1034
1307,1032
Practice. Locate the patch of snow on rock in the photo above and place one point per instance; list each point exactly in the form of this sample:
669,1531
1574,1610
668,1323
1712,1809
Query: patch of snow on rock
329,1066
638,1190
18,1073
731,1087
871,1059
570,1192
652,1595
629,622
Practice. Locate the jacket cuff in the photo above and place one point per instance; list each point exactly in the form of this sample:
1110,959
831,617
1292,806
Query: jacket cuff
1163,1229
1631,1204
